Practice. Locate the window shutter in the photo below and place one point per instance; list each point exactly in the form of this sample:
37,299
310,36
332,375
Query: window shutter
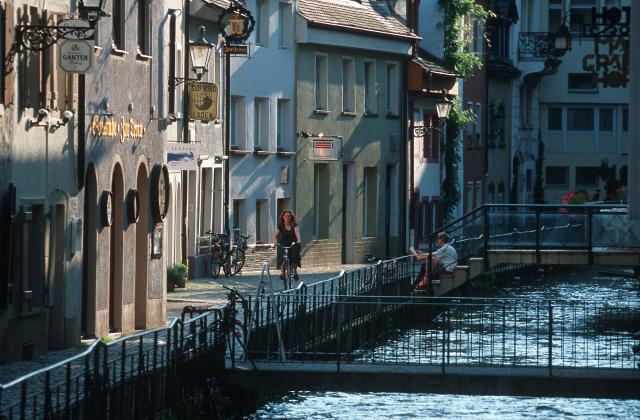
435,139
8,16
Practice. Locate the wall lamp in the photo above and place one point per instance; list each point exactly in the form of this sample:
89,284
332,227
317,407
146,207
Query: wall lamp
41,37
306,135
200,50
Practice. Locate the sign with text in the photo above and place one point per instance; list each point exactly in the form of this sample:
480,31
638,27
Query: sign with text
75,56
325,148
203,101
236,49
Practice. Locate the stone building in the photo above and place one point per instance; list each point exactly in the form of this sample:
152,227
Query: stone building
350,66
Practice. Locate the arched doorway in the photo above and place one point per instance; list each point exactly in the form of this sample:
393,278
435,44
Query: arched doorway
89,239
142,239
116,272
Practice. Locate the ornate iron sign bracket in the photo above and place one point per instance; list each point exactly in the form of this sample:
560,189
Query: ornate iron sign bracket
39,38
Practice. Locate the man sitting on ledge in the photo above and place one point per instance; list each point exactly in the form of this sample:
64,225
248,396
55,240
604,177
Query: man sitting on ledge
444,261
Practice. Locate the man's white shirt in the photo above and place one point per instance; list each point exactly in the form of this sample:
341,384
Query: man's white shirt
447,257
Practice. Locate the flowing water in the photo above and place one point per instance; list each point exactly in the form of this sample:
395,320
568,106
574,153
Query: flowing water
609,288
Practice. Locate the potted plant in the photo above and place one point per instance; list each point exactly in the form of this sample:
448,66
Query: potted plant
176,276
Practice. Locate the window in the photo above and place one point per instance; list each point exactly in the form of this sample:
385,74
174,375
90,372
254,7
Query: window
470,133
262,22
321,201
370,201
237,122
283,126
321,82
144,12
261,124
499,39
478,193
431,148
239,217
587,176
529,180
118,24
491,193
370,93
582,82
501,196
606,120
580,14
468,204
580,119
284,25
554,119
393,89
625,119
478,125
555,15
556,176
348,85
262,221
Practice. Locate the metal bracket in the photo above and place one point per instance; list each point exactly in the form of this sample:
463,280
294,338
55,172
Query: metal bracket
174,82
39,37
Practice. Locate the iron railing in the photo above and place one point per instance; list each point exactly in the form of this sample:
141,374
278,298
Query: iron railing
455,332
136,376
535,45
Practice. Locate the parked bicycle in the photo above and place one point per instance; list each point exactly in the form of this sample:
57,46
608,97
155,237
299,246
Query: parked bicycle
219,255
238,251
289,275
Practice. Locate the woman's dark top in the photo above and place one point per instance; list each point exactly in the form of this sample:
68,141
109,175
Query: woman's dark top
286,238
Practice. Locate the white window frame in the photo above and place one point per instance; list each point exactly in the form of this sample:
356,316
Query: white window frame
348,85
238,122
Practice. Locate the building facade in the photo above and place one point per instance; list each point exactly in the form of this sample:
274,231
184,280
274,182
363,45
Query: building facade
262,122
350,66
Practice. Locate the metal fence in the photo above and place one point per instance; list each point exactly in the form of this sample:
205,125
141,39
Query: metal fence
454,331
133,377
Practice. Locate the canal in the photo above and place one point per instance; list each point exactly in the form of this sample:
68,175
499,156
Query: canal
601,284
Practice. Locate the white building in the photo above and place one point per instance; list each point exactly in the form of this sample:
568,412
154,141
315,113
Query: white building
262,121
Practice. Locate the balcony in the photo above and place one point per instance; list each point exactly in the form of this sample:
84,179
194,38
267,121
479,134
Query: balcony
535,45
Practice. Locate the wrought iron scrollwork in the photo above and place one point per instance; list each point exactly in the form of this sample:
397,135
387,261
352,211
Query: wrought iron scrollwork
535,45
39,38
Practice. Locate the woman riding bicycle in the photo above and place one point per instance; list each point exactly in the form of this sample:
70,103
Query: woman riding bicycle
288,234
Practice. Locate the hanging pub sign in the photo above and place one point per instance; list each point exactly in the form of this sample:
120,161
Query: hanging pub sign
203,101
325,148
236,23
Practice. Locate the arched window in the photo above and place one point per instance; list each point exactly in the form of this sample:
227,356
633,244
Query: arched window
491,193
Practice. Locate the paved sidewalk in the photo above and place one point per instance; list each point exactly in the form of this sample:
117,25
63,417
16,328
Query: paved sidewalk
206,291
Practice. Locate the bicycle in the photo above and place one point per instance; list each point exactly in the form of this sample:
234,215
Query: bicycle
238,251
289,275
219,251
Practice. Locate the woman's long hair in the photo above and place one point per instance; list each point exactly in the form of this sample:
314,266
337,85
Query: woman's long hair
293,217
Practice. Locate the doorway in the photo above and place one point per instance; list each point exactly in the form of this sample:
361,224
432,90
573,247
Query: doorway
142,240
348,212
116,271
89,239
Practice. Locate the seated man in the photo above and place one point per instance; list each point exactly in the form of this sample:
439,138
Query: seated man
444,261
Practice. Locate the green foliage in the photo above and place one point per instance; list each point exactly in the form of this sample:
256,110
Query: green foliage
458,34
177,274
458,119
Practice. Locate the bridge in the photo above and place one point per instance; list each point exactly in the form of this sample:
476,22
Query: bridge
365,330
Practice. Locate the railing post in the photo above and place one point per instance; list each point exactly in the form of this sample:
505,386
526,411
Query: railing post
590,235
550,340
430,267
445,325
538,255
485,234
338,334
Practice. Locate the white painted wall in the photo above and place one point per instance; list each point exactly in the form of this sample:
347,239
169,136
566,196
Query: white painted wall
431,27
268,73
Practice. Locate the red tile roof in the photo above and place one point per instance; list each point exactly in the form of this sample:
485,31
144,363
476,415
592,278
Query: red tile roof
371,16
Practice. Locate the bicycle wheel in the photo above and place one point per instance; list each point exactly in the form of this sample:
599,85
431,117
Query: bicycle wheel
215,264
226,265
238,261
287,275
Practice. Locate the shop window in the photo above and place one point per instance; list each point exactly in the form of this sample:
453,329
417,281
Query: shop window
557,176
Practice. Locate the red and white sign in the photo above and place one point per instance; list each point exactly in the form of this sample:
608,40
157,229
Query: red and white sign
75,56
325,148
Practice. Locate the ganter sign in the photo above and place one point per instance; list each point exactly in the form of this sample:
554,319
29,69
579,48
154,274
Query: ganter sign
75,56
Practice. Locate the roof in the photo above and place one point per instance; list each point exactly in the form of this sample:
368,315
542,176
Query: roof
372,16
224,4
432,64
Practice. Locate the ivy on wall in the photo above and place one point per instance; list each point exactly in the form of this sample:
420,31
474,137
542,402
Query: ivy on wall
457,37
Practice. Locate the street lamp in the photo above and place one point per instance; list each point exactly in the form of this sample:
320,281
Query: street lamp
92,10
562,40
200,55
443,108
